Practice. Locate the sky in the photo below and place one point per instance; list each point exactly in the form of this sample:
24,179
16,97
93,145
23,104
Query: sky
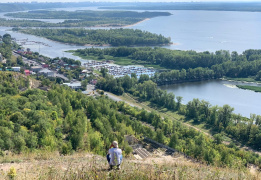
5,1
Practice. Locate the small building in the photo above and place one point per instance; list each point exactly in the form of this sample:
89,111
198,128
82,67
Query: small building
45,65
74,85
16,69
36,68
93,81
46,72
74,66
27,72
9,69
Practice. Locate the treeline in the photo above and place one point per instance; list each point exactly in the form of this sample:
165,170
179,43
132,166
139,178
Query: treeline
11,7
80,18
85,14
114,37
221,119
65,120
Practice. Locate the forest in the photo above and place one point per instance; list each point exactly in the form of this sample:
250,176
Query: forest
114,37
185,66
80,18
65,120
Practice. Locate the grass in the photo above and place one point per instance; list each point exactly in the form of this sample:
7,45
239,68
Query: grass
249,79
88,166
252,88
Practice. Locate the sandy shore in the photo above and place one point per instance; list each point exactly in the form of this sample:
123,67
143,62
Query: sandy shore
137,23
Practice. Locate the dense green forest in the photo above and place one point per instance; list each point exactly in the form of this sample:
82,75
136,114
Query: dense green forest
187,65
80,18
66,120
221,119
114,37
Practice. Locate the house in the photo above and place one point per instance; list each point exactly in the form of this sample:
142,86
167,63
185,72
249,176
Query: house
93,81
67,67
27,72
36,68
1,57
46,72
74,85
74,66
45,65
16,69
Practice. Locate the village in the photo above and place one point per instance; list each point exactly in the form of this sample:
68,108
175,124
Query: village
56,68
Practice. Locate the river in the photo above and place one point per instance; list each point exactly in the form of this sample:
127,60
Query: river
191,30
220,92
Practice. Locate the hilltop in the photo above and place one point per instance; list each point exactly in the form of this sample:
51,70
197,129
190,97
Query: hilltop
90,166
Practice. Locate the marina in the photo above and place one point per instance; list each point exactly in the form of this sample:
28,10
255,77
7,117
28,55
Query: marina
119,71
26,42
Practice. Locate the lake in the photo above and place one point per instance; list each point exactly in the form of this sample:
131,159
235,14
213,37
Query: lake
219,92
191,30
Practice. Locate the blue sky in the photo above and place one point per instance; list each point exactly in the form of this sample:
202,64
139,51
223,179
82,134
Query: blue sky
5,1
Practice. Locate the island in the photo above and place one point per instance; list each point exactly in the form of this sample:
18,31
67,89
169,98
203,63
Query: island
86,18
100,37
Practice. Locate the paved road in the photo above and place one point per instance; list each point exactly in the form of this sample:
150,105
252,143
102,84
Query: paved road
117,98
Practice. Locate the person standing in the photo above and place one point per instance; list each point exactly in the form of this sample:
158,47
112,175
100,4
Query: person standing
114,156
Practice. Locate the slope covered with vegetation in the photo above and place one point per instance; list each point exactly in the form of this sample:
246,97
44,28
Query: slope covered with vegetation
64,120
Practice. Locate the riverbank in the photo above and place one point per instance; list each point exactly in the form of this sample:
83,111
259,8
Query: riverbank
244,80
251,88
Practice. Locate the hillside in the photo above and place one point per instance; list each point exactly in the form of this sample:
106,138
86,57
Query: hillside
44,134
90,166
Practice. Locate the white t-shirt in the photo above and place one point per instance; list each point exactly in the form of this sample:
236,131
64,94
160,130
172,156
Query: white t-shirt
115,154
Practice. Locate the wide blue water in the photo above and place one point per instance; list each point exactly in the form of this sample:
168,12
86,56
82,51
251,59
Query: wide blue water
208,30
